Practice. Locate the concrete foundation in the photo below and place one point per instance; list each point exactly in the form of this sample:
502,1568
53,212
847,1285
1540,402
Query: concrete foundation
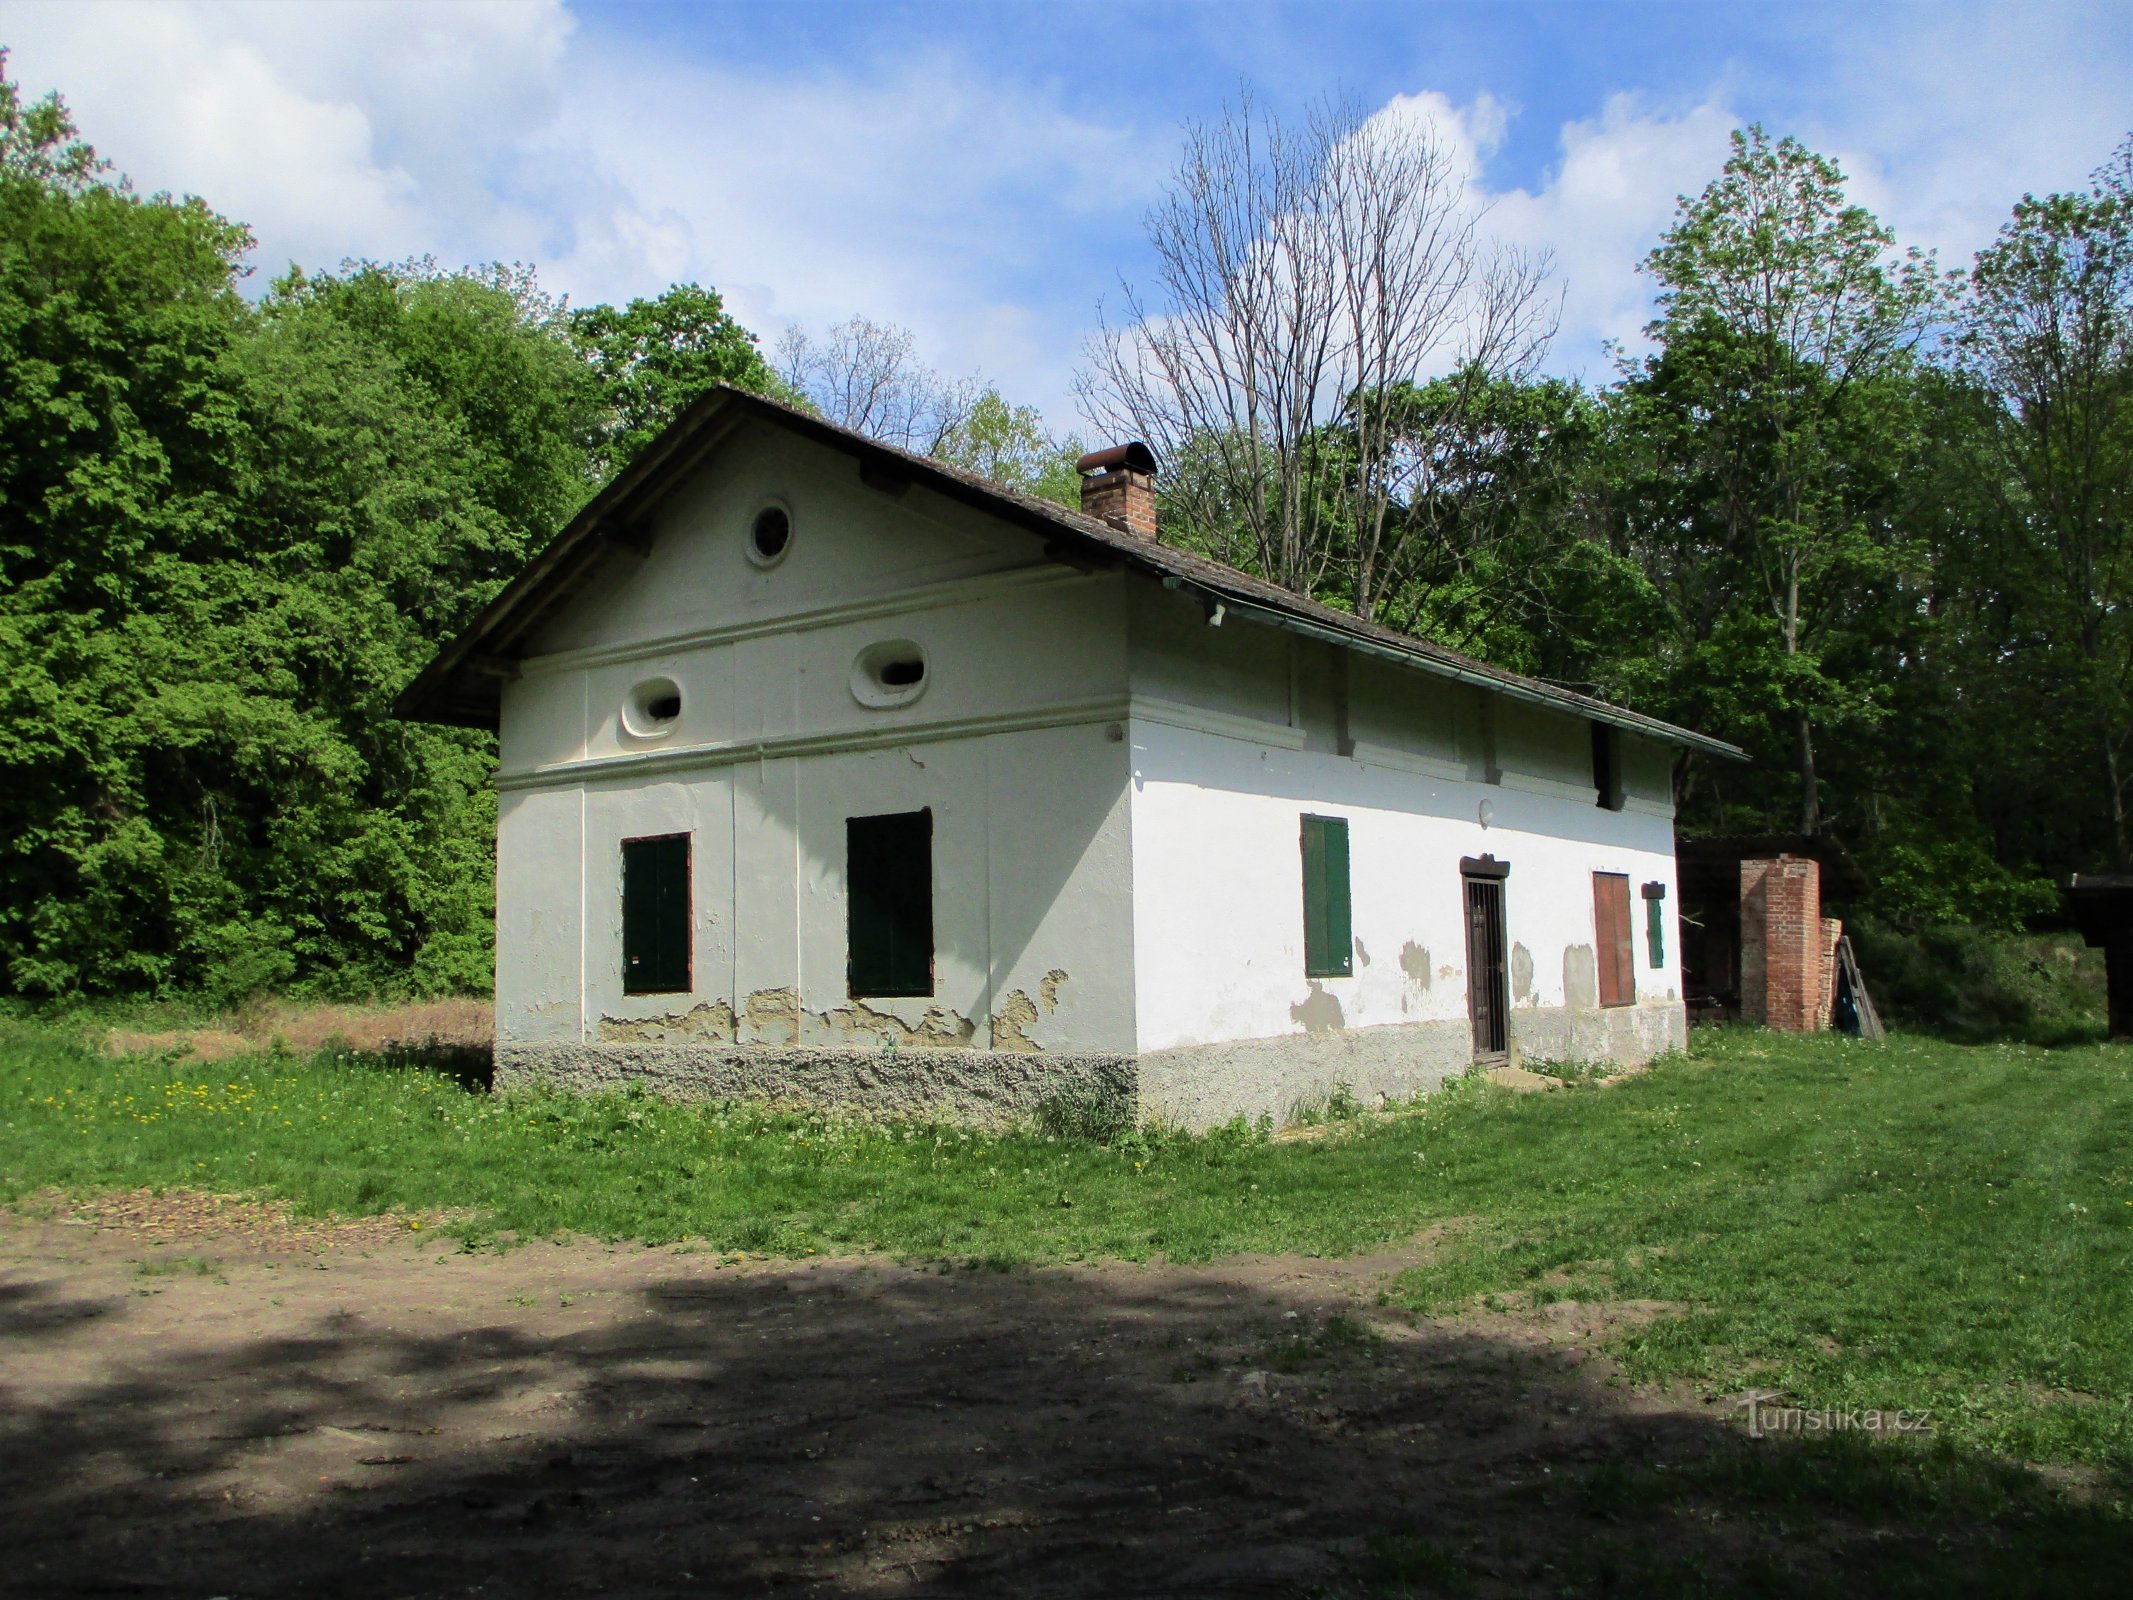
1189,1086
990,1088
1625,1035
1205,1085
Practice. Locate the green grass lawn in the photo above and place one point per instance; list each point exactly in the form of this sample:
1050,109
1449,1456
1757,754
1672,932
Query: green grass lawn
1912,1225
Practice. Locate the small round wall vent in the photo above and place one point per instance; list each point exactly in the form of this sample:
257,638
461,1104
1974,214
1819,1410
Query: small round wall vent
892,673
652,709
770,536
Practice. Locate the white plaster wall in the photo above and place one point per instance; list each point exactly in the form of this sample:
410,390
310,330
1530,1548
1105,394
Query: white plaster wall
1033,932
1076,911
850,543
539,917
1218,897
1017,647
1177,659
1016,745
767,654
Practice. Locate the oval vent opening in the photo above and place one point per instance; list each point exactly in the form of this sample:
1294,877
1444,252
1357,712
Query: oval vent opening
770,536
892,673
652,709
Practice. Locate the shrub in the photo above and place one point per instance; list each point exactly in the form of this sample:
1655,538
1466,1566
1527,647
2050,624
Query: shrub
1969,984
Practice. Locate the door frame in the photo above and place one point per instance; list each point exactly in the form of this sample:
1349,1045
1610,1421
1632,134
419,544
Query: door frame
1488,961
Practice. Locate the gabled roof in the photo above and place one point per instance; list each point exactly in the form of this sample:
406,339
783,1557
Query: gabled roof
462,685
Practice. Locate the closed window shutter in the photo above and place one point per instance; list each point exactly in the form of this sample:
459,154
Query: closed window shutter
889,889
655,915
1615,950
1328,938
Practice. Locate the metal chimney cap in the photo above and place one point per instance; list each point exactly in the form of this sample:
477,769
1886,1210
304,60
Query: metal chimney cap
1134,457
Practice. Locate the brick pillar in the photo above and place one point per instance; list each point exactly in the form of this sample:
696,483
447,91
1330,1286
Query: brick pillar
1781,960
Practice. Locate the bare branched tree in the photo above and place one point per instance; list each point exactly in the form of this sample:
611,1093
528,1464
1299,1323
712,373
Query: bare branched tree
1306,276
864,375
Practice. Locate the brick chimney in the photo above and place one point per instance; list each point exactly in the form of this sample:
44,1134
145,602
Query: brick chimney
1118,487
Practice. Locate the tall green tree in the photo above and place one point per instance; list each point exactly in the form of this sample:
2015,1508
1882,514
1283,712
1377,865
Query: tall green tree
1010,445
1787,322
123,457
2049,335
652,357
418,435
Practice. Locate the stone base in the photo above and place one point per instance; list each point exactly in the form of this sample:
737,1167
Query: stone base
1629,1036
1205,1085
1189,1086
988,1087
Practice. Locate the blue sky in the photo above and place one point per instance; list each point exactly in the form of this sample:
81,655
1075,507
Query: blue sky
977,172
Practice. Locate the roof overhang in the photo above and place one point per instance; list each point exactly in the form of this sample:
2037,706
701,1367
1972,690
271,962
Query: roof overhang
2102,904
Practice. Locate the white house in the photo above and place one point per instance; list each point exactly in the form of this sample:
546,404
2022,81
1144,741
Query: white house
830,773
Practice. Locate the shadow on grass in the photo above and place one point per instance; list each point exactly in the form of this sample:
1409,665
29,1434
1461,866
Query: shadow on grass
472,1067
852,1431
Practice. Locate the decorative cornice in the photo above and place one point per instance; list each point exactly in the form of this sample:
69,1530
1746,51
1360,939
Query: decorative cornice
1223,724
775,747
1371,754
927,597
1555,788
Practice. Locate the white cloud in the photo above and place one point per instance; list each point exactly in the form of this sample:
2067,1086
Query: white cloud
1602,209
334,129
917,190
912,193
976,203
1944,123
1598,211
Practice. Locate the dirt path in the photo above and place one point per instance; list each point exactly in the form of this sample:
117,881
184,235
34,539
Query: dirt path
195,1402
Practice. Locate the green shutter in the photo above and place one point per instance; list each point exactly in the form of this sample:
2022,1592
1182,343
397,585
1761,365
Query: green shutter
655,915
1655,922
1329,950
889,904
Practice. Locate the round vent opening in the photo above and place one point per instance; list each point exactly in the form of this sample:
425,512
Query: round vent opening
652,709
770,536
892,673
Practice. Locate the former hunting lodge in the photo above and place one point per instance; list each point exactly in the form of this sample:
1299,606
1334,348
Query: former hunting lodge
832,773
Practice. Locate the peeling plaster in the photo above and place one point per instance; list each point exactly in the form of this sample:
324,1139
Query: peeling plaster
1010,1024
1362,956
1522,974
1319,1012
1414,961
713,1022
775,1017
768,1010
936,1029
1581,978
1048,989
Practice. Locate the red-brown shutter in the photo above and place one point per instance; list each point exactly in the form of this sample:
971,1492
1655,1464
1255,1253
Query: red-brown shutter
1615,951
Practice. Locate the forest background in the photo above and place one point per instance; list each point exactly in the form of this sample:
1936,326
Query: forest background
1863,514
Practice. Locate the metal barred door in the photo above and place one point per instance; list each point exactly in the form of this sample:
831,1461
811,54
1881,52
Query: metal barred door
1488,994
